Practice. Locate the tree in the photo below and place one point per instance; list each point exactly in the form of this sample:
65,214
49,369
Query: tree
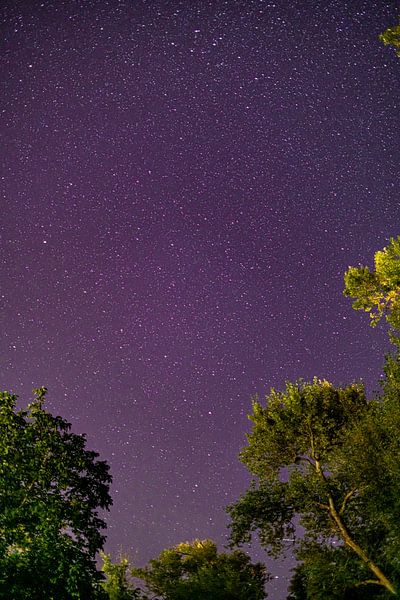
328,572
391,37
378,292
320,454
51,488
117,584
196,571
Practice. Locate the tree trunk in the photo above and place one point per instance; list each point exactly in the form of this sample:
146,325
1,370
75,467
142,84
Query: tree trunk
383,580
348,540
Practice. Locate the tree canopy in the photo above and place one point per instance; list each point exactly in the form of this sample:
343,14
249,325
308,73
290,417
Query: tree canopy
118,584
197,571
378,292
391,37
51,488
321,454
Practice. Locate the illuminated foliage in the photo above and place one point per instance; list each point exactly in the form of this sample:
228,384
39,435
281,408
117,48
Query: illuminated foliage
320,456
378,292
117,584
196,571
391,37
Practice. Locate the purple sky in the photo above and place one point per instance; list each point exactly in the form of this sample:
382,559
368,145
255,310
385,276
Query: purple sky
184,184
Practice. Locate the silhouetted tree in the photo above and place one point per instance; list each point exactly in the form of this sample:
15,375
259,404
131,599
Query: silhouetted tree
51,488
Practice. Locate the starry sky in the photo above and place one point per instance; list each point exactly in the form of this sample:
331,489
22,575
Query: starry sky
183,185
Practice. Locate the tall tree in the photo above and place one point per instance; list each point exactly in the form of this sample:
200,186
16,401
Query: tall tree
196,571
51,489
315,452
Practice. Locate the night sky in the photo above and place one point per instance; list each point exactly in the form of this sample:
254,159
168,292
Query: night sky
184,183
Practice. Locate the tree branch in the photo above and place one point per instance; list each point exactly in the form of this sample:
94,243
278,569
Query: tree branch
324,506
27,494
312,442
345,500
368,582
349,541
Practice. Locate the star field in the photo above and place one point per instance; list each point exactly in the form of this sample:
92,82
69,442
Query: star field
183,186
